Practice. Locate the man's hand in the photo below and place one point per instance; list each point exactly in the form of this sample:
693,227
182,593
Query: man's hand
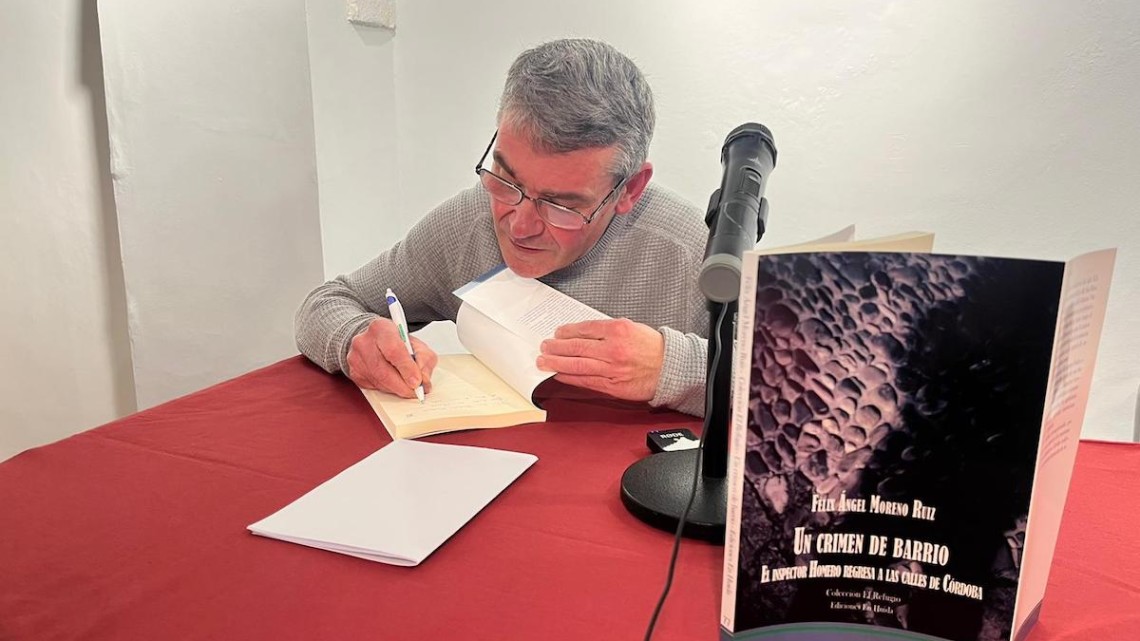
378,359
617,357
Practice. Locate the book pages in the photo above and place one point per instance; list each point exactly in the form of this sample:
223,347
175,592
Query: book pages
465,394
1084,298
509,355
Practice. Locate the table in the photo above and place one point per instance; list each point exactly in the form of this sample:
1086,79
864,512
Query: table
137,530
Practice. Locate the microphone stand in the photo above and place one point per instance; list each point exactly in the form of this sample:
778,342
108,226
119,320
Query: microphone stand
659,489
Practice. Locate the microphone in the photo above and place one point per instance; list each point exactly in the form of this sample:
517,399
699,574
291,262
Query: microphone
665,490
738,211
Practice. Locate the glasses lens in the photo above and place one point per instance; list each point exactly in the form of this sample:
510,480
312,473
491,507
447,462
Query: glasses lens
560,217
500,189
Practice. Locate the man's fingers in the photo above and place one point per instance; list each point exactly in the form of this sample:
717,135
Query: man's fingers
392,384
594,329
596,383
376,372
587,347
378,375
573,365
378,359
616,356
388,379
396,353
426,359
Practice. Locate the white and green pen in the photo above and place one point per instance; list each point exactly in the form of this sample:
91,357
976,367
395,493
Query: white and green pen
397,312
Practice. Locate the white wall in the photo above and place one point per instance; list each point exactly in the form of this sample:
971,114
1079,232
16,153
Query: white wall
213,159
1006,128
64,358
354,115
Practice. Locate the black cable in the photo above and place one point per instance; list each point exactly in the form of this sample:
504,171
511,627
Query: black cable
696,477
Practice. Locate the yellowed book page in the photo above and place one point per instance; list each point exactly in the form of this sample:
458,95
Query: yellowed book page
464,395
916,242
1084,297
845,235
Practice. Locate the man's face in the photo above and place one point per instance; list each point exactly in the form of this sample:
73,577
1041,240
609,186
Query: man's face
577,179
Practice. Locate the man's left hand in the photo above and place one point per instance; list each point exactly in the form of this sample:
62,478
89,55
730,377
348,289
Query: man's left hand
617,357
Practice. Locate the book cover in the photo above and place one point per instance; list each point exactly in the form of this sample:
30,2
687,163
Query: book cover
888,425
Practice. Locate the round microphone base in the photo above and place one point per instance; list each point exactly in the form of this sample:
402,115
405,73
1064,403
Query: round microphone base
656,490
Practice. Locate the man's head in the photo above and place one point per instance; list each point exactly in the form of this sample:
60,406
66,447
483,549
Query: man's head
575,121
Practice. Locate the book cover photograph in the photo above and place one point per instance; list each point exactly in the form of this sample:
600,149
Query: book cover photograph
892,438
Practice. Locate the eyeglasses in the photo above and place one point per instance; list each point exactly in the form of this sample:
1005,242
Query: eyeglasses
552,213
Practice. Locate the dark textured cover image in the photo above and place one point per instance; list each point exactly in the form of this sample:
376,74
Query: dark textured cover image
893,421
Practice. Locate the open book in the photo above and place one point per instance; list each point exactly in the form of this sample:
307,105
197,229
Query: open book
904,429
502,321
400,503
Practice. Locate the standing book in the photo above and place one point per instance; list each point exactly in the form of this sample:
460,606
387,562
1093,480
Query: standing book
904,429
502,321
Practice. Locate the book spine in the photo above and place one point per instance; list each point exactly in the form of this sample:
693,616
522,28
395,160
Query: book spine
741,380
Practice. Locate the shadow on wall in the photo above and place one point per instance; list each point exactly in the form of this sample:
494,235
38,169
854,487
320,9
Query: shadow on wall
373,36
118,332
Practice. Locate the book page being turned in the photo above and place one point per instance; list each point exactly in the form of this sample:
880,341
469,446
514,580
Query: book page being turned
524,306
508,355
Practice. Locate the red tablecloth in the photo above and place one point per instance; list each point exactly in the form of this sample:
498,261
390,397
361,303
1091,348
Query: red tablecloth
137,530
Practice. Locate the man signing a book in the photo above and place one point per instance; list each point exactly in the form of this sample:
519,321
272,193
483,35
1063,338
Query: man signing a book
564,196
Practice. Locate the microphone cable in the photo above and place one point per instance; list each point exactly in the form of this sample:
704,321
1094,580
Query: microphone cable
696,476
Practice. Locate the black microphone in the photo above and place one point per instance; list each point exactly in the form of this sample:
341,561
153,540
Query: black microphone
738,211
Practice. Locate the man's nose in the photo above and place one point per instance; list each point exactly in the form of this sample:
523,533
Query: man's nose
525,221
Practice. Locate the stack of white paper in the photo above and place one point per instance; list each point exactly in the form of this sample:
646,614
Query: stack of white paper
399,504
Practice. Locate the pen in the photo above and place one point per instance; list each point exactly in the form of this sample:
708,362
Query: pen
401,321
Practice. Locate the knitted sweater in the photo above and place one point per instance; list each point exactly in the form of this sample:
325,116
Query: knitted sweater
644,268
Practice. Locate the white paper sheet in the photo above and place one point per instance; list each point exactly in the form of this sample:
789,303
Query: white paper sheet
399,504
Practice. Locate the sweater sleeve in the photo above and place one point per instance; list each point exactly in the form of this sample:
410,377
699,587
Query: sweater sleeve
335,312
681,385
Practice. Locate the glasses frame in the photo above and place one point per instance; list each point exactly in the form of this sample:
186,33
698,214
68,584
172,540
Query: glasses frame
586,220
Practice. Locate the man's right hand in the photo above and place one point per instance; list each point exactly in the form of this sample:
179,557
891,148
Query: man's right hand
378,359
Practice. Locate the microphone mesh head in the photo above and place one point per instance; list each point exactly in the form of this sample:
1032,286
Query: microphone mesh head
751,129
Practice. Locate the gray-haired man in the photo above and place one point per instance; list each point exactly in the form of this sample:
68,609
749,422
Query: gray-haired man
564,197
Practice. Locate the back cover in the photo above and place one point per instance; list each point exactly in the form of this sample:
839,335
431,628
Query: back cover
895,406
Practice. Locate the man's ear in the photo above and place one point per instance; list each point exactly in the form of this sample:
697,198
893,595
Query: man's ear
633,189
